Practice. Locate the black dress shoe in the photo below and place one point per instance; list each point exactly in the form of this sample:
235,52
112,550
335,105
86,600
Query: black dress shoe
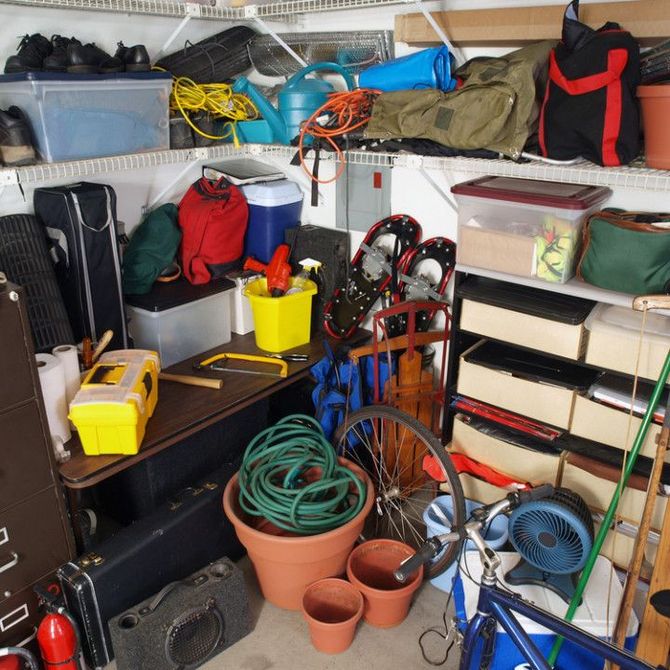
87,59
134,59
57,60
33,49
16,144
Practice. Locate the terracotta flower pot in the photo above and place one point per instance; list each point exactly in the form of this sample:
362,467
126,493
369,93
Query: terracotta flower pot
370,569
655,103
332,609
285,564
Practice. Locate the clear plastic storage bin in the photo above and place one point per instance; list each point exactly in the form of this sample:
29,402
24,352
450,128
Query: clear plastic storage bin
179,320
523,227
91,115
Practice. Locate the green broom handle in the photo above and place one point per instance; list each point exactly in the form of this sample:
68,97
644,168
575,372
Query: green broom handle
614,503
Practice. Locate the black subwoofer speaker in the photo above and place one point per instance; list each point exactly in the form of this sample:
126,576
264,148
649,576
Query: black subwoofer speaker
185,624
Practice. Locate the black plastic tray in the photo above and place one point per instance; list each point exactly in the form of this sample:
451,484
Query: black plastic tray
536,302
535,367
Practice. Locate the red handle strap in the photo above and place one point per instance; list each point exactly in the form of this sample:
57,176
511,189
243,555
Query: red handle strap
466,464
616,63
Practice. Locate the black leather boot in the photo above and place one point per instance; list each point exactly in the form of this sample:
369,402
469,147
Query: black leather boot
87,59
33,49
16,143
57,60
134,59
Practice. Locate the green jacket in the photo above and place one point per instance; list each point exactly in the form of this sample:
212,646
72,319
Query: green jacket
496,108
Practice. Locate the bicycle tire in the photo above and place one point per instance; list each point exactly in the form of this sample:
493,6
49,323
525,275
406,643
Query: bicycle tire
395,514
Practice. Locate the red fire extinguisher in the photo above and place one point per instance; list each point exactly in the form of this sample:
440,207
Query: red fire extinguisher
58,642
13,658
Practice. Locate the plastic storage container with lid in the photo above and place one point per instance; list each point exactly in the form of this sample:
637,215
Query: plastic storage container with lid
115,401
180,320
601,598
273,207
614,333
523,227
90,115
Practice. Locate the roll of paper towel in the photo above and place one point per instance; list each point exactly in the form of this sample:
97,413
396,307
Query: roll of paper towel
52,381
67,354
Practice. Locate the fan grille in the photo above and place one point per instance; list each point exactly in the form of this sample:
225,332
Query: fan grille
555,534
193,636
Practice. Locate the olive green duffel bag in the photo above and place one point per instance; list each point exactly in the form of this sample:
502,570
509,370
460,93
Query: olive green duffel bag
626,251
496,107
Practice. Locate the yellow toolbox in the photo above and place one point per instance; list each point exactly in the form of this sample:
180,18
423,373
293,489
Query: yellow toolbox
115,401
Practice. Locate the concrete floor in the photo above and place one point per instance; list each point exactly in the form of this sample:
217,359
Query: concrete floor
280,639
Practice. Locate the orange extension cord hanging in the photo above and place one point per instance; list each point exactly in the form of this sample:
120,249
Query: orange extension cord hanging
347,111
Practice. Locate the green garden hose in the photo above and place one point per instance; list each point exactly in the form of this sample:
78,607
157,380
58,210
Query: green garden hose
279,480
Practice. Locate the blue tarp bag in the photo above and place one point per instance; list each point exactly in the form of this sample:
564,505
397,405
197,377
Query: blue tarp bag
343,386
429,68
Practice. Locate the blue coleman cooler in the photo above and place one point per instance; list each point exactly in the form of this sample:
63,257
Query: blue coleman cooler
273,207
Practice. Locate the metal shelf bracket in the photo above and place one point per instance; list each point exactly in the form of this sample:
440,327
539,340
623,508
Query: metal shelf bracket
264,26
193,11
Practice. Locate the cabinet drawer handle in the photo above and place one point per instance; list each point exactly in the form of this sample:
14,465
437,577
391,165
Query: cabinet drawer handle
11,563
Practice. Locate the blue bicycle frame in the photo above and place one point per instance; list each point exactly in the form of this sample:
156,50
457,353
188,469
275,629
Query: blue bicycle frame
498,606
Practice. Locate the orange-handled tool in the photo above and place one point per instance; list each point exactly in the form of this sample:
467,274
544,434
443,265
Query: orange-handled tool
277,271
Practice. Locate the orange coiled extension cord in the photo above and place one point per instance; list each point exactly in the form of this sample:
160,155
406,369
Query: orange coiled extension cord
347,111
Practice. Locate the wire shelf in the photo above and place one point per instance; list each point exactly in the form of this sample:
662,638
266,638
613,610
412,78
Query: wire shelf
216,13
291,7
581,173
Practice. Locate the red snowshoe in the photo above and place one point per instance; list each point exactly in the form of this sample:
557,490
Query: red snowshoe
382,253
425,276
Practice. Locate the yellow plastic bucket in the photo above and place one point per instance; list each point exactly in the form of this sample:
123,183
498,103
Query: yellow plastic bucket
280,323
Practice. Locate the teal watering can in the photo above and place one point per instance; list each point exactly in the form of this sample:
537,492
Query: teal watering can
298,100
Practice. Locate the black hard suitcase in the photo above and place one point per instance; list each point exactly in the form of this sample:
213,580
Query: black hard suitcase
183,535
80,220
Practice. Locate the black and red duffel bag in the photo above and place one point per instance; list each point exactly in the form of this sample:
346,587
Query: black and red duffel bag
590,108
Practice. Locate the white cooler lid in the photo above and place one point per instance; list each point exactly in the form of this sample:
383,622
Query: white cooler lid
272,193
590,616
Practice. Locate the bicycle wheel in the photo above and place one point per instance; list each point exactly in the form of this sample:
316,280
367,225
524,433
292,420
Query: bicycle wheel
390,445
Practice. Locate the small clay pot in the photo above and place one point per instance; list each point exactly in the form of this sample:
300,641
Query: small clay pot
655,104
286,564
332,608
370,569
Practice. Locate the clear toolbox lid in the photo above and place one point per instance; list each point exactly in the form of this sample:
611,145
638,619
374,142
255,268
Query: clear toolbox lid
626,322
532,192
114,377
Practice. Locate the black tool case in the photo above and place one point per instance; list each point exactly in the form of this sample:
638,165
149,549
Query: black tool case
183,535
80,221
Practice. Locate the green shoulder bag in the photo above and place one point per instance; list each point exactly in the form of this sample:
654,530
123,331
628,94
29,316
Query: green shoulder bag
627,252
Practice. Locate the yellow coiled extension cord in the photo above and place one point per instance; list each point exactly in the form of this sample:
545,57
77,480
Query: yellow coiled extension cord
219,100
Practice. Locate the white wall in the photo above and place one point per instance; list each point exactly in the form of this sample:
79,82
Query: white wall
411,192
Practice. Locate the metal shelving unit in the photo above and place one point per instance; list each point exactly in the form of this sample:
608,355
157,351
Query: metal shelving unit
215,13
581,173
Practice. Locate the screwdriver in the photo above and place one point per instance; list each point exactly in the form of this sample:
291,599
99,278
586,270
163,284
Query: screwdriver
293,358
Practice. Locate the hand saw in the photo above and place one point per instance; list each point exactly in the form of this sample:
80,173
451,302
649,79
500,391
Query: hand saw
224,357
